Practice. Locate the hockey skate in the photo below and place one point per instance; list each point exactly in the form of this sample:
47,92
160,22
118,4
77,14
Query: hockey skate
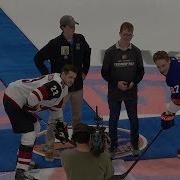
23,175
33,165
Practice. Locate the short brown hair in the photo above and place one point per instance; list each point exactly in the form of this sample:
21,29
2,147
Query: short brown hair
160,55
69,67
81,133
126,25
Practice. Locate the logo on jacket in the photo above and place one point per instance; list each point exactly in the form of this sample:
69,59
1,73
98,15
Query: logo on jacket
64,50
124,56
77,46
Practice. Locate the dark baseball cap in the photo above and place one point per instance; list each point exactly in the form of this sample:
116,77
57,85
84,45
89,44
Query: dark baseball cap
68,20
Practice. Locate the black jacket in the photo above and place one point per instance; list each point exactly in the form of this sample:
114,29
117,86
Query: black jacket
60,52
122,65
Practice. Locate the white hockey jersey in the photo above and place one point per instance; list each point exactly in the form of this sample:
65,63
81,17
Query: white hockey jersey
44,92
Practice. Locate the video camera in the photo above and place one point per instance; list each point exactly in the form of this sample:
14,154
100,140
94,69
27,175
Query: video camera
99,139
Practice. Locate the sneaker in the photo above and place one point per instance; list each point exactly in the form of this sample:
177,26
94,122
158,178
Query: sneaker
22,175
112,149
113,146
178,153
33,165
136,152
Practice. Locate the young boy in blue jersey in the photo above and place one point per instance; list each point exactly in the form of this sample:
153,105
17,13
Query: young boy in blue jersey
170,67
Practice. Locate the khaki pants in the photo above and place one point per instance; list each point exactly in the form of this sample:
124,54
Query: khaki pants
76,99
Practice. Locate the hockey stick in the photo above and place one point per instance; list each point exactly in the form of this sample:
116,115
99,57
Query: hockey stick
122,176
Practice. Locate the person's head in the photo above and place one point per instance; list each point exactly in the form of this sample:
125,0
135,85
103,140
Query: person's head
126,32
67,25
68,74
88,136
81,133
162,61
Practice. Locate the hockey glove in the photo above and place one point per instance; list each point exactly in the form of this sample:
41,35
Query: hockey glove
61,132
167,120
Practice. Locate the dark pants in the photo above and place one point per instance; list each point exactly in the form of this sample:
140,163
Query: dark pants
131,108
21,120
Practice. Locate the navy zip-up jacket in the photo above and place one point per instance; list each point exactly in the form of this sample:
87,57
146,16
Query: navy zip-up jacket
60,52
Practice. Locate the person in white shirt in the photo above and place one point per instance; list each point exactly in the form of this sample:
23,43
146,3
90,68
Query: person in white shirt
23,98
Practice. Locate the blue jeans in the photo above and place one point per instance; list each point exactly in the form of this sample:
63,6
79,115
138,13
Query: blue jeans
131,108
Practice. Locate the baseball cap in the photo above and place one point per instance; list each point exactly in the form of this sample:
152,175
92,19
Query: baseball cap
67,20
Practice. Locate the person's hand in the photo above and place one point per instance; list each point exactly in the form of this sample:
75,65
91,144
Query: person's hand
123,85
83,76
131,85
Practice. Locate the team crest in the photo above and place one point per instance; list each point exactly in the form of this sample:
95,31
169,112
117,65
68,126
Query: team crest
124,147
58,148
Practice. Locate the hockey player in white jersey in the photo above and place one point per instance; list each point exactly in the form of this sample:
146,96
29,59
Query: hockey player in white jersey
23,98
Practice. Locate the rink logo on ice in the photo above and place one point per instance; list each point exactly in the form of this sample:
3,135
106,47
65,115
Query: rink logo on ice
124,147
58,148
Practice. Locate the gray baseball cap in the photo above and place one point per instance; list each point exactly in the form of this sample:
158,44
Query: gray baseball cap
67,20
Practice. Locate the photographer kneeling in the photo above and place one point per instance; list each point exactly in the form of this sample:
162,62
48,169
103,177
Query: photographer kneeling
82,162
